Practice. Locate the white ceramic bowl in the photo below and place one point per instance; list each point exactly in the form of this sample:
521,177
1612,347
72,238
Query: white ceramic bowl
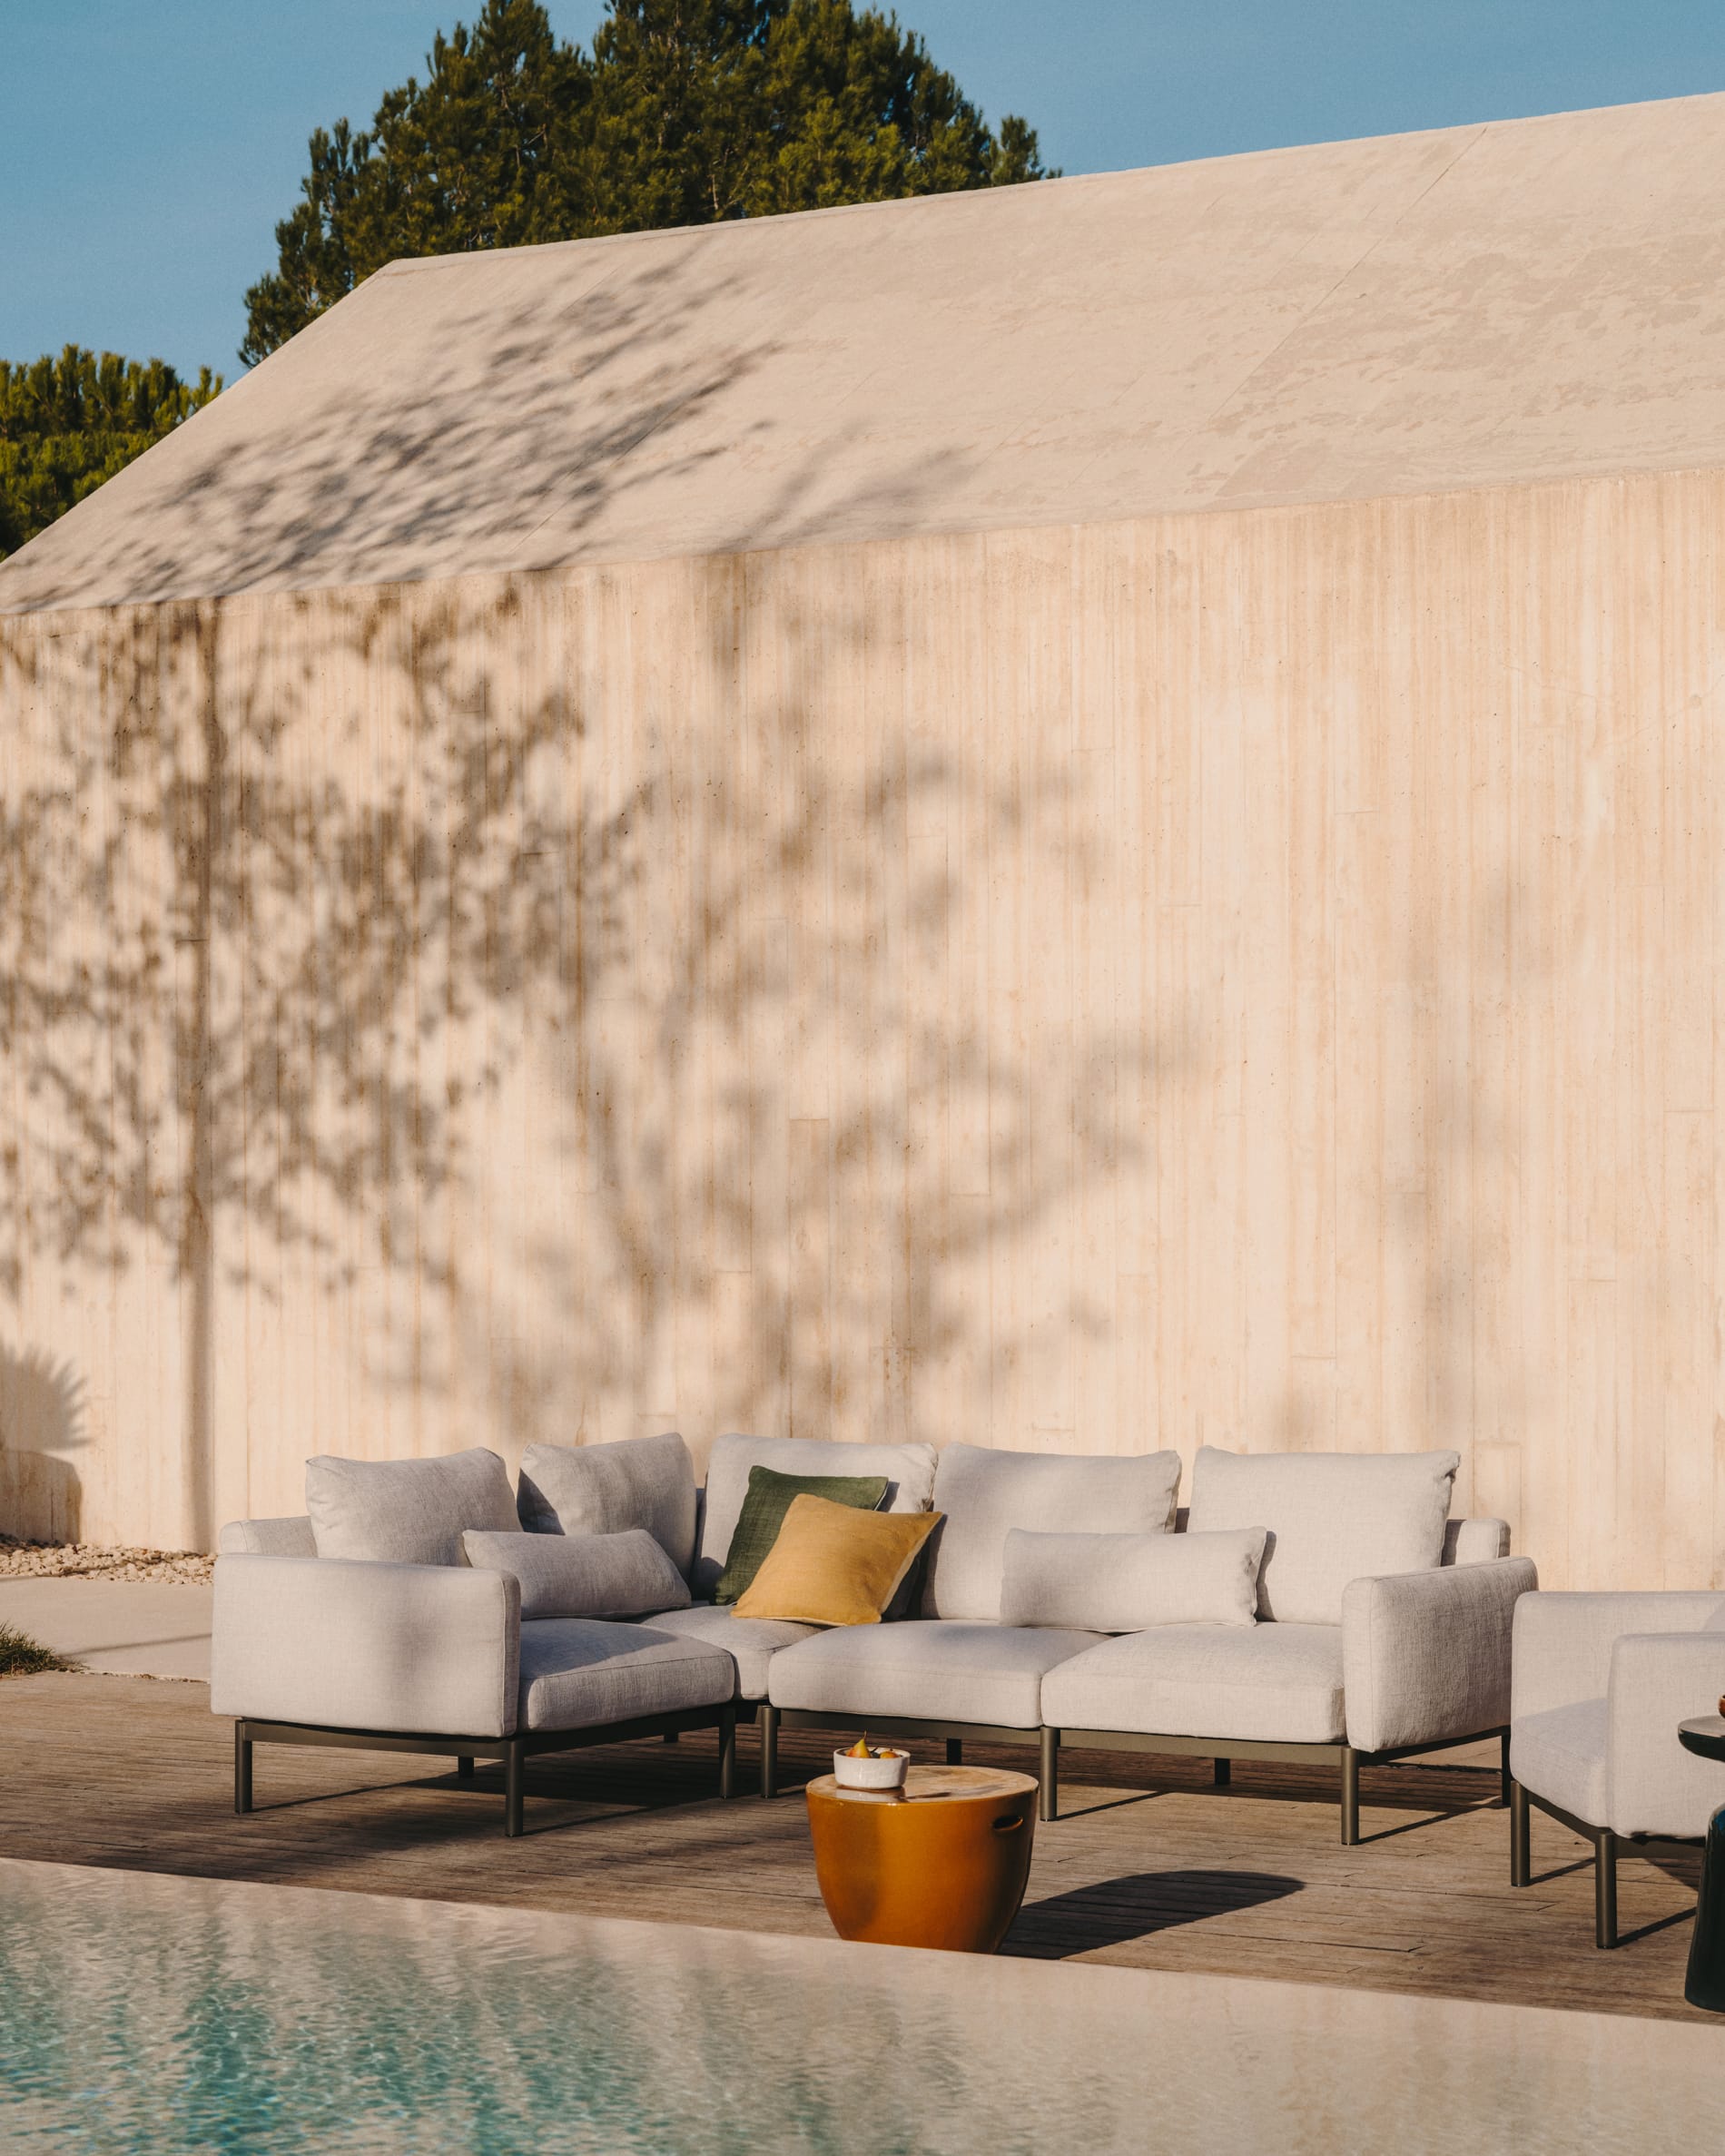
889,1773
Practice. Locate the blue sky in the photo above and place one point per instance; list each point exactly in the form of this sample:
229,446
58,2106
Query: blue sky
148,147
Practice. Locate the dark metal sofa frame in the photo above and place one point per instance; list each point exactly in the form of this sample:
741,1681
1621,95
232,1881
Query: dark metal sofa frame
1607,1848
1052,1741
513,1751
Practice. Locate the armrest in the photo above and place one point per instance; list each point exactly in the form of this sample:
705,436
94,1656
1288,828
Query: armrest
1563,1641
1657,1681
415,1647
1425,1656
267,1538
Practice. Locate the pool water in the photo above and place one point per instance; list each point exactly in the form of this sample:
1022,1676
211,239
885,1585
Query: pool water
140,2013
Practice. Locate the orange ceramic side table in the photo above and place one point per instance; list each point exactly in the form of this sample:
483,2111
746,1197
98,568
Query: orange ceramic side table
943,1862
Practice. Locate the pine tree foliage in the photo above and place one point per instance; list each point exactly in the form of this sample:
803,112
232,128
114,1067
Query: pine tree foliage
685,111
67,424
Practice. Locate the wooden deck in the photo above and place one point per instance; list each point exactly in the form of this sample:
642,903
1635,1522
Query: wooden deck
1151,1866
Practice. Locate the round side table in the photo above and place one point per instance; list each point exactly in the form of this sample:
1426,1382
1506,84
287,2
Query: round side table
943,1862
1705,1984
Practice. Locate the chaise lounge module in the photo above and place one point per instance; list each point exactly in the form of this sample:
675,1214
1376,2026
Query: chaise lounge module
1316,1607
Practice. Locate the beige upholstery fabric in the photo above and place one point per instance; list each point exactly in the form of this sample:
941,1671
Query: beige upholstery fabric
1658,1679
1559,1755
405,1511
1426,1655
924,1671
1563,1641
617,1575
267,1538
1598,1687
750,1641
1125,1583
603,1490
1332,1517
1475,1541
986,1493
580,1673
1280,1683
908,1470
425,1648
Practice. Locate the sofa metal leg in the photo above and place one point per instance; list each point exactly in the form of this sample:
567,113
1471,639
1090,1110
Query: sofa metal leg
515,1763
464,1767
1049,1774
1521,1846
1224,1773
1605,1888
727,1750
955,1751
769,1751
671,1736
1506,1783
241,1768
1350,1796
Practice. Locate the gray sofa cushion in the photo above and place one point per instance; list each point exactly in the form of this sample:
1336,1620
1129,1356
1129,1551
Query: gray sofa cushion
1126,1583
1562,1756
1281,1683
405,1511
986,1493
620,1575
924,1671
603,1490
750,1641
580,1673
1332,1517
909,1471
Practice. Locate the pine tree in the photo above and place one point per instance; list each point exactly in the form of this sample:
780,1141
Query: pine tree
684,112
68,424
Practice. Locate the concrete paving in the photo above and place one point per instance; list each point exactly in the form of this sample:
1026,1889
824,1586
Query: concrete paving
123,1627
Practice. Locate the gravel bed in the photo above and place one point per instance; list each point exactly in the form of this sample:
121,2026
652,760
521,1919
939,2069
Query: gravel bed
88,1560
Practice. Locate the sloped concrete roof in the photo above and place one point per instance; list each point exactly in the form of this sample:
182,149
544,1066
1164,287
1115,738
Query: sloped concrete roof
1522,300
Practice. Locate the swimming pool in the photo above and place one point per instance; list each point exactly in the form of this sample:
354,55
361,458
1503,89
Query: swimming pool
146,2013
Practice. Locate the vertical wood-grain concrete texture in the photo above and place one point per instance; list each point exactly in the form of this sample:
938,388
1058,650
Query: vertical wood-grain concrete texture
1082,819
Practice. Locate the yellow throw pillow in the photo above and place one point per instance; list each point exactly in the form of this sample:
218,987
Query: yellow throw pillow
834,1565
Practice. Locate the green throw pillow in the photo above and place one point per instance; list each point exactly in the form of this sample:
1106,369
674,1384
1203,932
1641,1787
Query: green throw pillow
762,1514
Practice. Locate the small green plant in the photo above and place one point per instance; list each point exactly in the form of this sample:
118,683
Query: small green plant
21,1656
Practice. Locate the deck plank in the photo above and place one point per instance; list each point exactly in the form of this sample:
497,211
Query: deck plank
1149,1867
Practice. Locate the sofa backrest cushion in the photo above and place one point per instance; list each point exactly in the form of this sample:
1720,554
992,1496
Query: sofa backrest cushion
909,1471
1331,1517
985,1495
405,1511
607,1488
629,1574
1126,1583
267,1538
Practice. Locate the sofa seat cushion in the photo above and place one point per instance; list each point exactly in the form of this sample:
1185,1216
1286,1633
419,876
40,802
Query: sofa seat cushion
583,1672
1561,1754
1278,1683
750,1641
925,1670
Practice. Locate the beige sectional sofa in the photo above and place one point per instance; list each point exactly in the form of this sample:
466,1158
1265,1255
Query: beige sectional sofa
1311,1607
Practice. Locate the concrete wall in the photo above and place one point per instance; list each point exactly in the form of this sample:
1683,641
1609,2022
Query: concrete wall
1245,978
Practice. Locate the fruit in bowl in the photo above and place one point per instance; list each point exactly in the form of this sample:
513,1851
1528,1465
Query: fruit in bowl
863,1765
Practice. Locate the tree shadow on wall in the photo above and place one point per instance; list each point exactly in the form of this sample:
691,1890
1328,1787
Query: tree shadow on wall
41,1419
556,948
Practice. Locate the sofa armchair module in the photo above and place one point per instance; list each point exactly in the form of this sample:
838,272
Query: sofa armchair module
1601,1682
435,1659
